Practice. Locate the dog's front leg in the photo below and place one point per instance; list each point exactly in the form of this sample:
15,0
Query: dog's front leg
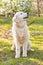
25,49
17,47
13,47
17,50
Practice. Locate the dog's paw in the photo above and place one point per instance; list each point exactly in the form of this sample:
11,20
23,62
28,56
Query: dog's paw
24,55
17,56
31,50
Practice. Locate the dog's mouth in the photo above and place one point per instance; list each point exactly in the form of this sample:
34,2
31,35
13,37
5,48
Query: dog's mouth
25,17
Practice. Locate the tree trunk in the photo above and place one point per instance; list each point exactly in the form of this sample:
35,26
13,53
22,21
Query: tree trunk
38,8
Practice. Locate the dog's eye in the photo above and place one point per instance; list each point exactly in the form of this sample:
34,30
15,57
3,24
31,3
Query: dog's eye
21,13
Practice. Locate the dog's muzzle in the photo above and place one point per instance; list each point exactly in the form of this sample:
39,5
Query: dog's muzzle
27,15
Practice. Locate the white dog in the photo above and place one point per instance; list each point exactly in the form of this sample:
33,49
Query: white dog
21,34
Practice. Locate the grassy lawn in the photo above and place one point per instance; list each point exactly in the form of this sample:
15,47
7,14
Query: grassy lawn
34,58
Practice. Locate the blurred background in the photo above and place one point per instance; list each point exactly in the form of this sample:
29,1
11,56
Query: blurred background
9,7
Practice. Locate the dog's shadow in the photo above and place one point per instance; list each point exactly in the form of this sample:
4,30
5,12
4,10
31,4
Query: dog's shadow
7,53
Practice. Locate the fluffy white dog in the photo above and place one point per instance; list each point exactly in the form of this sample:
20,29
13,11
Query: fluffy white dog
20,34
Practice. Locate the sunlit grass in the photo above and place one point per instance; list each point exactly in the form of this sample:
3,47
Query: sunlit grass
36,27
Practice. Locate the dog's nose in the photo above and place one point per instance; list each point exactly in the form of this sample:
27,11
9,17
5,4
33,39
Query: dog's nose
27,13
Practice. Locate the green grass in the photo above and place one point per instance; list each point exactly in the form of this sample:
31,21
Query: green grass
37,23
34,58
36,19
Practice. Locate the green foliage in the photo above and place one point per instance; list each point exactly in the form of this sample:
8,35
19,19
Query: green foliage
0,1
26,6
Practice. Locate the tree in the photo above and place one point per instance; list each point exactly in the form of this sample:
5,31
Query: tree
26,5
38,1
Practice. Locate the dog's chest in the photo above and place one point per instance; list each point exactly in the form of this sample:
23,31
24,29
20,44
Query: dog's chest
21,35
21,32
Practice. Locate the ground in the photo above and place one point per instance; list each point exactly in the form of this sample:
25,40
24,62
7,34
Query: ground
7,57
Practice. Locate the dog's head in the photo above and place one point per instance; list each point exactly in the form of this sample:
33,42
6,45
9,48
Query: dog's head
19,17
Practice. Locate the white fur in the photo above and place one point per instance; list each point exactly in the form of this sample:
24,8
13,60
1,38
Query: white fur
20,31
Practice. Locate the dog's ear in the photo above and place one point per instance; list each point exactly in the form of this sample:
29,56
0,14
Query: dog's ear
14,19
